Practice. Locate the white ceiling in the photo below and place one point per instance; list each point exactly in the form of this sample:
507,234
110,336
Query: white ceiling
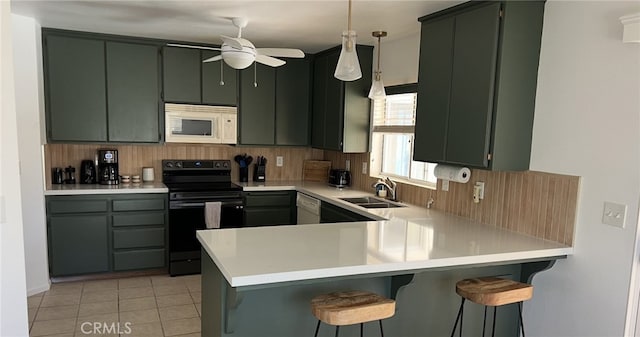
309,25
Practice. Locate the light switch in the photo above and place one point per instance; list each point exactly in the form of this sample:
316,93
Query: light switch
614,214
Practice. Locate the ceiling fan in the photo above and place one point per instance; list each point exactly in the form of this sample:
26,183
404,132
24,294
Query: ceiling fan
240,53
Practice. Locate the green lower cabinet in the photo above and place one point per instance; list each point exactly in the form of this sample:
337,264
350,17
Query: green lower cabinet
78,244
106,233
269,208
139,259
330,213
136,238
268,216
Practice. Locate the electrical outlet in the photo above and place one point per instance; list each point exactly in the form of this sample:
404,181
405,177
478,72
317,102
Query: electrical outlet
364,167
445,185
347,165
279,161
614,214
478,192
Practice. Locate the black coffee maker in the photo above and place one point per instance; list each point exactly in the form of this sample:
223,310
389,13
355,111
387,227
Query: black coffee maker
108,167
87,172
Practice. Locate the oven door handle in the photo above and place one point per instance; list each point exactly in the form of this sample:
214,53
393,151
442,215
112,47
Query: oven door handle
178,205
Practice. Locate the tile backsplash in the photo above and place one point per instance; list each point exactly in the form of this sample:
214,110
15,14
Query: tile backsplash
132,158
534,203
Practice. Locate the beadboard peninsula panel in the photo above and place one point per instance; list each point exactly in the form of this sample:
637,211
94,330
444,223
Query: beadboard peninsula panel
132,158
534,203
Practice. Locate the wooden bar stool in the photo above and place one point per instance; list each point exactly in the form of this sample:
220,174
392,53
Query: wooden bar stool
351,307
491,291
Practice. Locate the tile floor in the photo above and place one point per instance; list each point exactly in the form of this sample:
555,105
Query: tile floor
156,306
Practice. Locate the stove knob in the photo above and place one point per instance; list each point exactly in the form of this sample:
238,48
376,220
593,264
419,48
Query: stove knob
168,164
217,165
178,164
225,165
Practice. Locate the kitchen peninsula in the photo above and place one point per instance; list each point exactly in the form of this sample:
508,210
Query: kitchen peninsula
258,281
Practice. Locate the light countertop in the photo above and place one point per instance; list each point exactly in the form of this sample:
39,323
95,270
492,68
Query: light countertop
409,239
81,189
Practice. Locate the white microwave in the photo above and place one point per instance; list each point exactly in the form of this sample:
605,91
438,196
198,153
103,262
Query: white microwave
185,123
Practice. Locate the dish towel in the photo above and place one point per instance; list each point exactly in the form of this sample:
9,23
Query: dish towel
212,214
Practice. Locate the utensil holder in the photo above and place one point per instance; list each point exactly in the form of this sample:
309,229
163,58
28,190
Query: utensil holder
259,173
244,174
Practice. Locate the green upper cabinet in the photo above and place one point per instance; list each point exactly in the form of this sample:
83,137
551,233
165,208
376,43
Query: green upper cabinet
181,75
293,99
75,82
277,110
213,92
133,86
477,84
257,105
187,79
99,90
341,110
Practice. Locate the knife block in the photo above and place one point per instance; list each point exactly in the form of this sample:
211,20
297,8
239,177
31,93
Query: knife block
259,173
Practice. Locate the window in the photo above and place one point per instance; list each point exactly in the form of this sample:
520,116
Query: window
392,139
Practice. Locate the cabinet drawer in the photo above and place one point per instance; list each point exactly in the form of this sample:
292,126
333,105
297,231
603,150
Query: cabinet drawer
77,205
268,199
146,219
138,238
268,216
139,259
138,205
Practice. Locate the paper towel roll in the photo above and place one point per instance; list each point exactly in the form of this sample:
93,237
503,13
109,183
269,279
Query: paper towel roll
453,173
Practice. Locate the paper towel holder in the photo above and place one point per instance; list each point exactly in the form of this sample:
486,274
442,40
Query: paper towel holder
457,174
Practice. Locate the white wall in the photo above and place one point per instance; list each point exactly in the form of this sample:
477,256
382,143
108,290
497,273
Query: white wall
29,104
587,123
13,294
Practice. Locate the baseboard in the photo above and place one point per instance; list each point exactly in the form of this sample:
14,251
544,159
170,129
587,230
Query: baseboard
39,289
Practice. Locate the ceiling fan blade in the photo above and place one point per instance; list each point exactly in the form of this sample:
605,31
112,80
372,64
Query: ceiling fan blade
190,46
270,61
212,59
281,52
231,42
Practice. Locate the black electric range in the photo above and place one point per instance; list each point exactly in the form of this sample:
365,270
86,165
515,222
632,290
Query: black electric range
191,184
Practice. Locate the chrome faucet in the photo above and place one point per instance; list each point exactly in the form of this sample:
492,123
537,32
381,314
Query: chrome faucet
390,185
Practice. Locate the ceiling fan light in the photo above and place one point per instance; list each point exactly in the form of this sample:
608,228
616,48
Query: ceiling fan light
377,89
348,68
238,60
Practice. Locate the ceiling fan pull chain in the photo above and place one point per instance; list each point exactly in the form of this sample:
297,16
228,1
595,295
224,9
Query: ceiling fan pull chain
255,74
221,72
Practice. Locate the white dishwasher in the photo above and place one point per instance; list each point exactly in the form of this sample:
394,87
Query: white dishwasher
308,209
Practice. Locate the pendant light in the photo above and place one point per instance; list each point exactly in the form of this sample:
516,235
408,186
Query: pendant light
377,87
348,68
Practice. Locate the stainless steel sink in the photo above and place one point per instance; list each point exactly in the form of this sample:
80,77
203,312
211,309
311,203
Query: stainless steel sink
371,202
